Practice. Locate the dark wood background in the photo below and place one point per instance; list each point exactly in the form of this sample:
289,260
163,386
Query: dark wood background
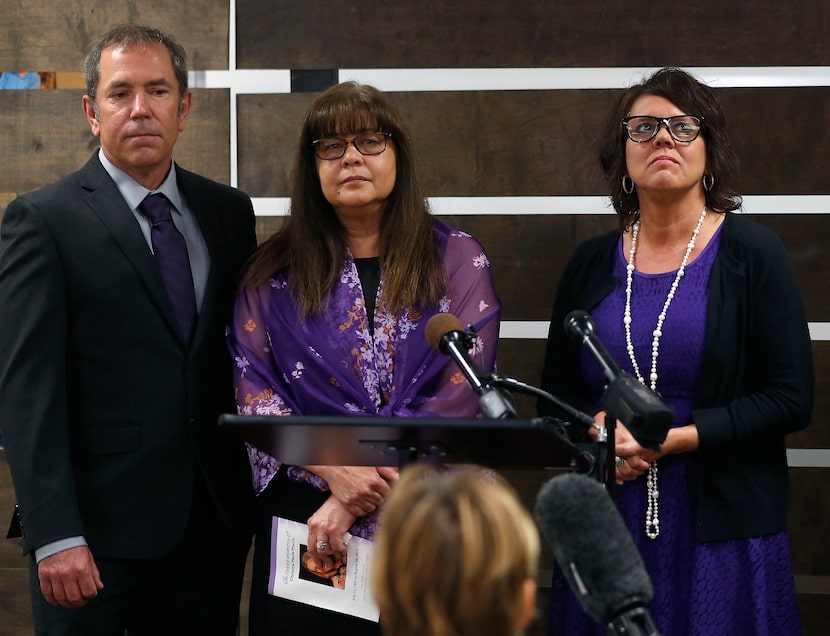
478,143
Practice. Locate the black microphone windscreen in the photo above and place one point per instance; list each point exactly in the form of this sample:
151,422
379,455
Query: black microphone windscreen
592,546
579,324
437,326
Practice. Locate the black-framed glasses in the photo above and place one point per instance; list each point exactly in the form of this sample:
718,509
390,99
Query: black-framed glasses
683,128
330,148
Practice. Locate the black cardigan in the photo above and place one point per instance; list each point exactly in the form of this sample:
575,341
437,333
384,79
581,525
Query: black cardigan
756,382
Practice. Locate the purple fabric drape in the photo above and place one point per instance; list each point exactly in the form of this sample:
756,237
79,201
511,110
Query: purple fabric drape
330,364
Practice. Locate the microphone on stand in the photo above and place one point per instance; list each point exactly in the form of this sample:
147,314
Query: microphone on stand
596,554
626,398
445,334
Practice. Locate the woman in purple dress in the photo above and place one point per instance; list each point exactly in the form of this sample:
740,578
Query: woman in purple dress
701,305
330,321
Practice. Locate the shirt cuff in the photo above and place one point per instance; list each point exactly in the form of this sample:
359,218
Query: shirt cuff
58,546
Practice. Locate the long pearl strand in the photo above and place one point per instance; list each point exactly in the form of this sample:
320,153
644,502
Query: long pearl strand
652,491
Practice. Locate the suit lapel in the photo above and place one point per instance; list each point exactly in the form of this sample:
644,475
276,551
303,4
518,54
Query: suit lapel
105,200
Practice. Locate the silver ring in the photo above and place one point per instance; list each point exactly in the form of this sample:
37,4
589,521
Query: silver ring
322,545
619,461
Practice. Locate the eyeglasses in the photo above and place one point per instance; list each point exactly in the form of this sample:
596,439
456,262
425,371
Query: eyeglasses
330,148
683,128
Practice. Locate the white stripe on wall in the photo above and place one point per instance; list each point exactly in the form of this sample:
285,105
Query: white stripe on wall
483,79
538,329
777,204
808,457
480,79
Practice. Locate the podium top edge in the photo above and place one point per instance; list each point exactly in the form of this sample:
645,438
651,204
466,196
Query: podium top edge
230,419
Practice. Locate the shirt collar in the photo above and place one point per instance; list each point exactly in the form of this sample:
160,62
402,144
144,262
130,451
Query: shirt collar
133,192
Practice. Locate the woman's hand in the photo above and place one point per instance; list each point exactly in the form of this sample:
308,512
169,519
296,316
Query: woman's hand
634,459
681,439
327,529
360,489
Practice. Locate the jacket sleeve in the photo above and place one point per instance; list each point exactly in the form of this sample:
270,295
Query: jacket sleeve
585,280
758,381
33,391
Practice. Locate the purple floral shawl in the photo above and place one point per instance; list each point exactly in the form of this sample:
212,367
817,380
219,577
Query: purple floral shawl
330,365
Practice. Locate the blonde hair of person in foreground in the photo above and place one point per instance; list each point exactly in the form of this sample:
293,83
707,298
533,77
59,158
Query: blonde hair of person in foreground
456,554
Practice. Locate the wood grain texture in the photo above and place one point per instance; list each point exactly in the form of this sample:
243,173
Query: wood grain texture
544,143
15,608
544,33
818,433
11,555
814,614
528,254
47,136
809,522
55,36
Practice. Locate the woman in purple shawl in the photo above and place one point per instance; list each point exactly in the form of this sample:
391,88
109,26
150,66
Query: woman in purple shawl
330,321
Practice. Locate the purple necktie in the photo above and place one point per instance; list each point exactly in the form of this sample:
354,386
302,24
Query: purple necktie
171,254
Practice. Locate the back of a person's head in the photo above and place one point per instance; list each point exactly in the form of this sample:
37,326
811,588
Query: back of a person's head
456,555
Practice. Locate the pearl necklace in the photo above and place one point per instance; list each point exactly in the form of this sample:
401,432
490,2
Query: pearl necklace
652,492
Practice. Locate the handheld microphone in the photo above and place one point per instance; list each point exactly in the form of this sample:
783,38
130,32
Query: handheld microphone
445,334
595,553
626,398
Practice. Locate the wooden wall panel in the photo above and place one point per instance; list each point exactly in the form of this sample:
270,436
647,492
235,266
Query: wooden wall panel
467,143
818,433
522,359
814,613
15,608
778,155
266,226
547,33
809,523
5,197
543,143
47,136
55,36
528,253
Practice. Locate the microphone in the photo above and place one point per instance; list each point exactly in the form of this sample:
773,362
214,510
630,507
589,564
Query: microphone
626,398
583,328
596,554
445,334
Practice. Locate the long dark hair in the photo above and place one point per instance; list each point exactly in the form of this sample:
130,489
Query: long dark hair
694,98
312,242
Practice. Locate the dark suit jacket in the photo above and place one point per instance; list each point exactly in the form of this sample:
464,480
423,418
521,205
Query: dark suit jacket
756,381
105,413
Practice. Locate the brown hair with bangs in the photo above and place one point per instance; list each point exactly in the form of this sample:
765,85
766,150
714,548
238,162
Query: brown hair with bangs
312,242
694,98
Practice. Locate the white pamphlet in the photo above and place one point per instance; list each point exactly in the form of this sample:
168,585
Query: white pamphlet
343,588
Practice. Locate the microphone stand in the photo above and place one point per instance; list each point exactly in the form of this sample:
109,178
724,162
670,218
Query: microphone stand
496,404
582,461
607,458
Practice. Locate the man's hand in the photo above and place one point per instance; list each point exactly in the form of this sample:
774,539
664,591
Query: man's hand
69,578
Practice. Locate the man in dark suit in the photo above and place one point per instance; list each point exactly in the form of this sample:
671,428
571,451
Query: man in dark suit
135,508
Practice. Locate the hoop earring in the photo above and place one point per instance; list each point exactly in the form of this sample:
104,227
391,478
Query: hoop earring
630,188
711,184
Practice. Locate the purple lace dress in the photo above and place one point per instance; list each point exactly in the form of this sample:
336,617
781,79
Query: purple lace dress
730,588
